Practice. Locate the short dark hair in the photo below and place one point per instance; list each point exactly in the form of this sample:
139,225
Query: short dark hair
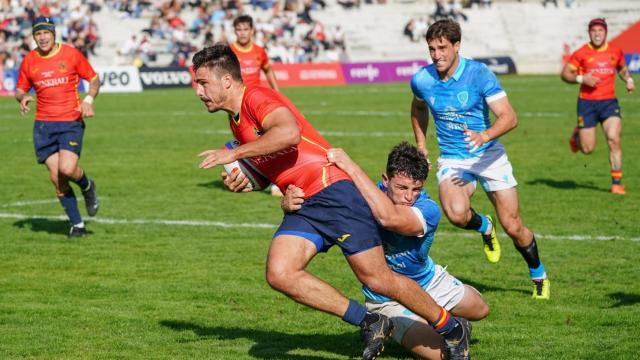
219,58
243,19
405,159
448,29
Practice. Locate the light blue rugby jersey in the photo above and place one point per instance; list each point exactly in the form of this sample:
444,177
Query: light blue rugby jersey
460,100
409,255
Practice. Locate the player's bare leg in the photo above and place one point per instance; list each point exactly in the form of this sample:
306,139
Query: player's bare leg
455,199
472,306
612,129
507,208
288,257
370,268
71,170
55,163
587,140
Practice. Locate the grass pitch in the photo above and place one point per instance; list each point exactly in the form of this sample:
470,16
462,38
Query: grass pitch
174,265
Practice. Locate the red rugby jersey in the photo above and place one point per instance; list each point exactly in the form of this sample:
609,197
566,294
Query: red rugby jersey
304,165
55,78
252,61
603,63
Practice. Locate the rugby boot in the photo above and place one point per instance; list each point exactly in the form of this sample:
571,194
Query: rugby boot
617,189
77,232
541,289
91,200
458,349
491,244
573,140
374,333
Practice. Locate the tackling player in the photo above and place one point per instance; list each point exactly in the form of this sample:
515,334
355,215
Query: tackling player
253,59
460,93
594,67
289,151
409,219
54,71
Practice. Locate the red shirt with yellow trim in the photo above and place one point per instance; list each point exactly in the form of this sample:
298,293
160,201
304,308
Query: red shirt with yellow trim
304,165
55,78
252,61
602,63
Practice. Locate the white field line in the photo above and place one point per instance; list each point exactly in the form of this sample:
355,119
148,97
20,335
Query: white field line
222,224
29,203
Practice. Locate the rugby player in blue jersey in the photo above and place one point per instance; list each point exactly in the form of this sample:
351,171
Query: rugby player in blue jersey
460,93
408,219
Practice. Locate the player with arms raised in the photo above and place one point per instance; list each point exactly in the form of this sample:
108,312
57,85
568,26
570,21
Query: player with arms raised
594,67
289,151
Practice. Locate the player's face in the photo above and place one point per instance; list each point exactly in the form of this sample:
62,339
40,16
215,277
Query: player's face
598,35
210,89
444,55
45,40
243,32
402,190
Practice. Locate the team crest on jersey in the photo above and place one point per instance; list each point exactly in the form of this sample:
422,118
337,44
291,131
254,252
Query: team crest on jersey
432,100
62,67
463,97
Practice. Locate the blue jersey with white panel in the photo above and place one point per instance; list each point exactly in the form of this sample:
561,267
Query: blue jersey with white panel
409,255
461,101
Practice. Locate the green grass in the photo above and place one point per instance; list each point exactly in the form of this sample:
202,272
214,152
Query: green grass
158,291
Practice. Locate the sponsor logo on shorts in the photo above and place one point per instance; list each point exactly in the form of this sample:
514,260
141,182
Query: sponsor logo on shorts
580,121
343,238
73,143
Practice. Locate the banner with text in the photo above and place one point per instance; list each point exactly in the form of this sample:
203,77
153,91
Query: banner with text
381,72
307,74
8,81
633,62
166,77
117,79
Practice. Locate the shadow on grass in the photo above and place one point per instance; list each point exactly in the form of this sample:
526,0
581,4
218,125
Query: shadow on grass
278,345
565,184
44,225
624,299
486,288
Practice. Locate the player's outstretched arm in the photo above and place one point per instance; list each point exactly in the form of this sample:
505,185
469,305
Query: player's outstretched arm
24,99
419,122
397,218
271,78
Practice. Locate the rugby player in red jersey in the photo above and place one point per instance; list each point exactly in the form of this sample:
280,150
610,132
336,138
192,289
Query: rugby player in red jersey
283,145
253,59
594,66
54,71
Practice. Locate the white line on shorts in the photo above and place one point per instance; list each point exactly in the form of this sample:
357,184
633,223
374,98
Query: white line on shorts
222,224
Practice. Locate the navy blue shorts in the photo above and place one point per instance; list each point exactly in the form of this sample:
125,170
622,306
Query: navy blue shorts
337,215
592,112
49,137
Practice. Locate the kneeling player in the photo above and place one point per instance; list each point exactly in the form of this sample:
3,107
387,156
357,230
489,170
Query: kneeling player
409,219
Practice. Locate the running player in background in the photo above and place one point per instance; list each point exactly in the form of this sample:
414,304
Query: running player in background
253,59
460,93
594,67
409,220
54,71
289,151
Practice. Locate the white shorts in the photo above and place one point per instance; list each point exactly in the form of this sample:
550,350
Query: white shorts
492,169
446,290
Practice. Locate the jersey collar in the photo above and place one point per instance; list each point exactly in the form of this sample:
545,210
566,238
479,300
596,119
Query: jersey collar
601,49
462,63
51,53
243,49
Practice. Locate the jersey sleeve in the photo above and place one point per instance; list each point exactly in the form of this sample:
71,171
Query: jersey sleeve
264,60
84,68
575,60
428,212
24,83
621,63
491,89
414,87
261,103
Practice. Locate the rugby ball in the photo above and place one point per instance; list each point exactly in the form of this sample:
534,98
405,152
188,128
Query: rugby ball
257,181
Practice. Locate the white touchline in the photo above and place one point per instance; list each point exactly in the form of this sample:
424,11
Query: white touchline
209,223
29,203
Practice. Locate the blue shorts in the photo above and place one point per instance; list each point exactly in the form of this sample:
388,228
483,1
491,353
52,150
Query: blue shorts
49,137
337,215
592,112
